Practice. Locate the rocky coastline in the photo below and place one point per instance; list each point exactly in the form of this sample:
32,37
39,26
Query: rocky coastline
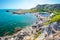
22,32
29,32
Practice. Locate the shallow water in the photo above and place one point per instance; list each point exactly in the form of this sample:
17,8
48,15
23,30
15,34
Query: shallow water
10,21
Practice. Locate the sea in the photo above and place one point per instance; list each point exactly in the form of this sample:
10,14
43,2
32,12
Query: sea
9,21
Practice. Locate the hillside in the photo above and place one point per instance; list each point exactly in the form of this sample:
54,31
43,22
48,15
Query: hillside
46,7
40,8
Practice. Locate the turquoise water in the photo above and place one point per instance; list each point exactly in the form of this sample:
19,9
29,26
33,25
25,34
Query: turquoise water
10,21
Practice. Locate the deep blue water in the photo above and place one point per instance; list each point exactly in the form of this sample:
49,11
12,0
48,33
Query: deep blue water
45,14
10,21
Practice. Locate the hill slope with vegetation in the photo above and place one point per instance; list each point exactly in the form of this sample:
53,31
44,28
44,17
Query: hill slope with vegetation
40,8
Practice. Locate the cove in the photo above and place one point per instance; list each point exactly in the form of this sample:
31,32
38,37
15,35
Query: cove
10,21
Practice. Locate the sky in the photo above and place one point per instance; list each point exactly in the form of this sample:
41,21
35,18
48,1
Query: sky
24,4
